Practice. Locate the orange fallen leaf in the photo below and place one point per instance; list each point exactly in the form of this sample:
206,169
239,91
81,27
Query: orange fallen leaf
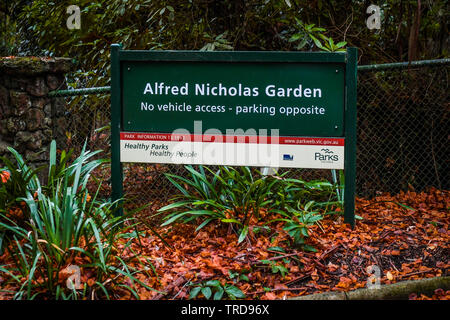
270,296
91,282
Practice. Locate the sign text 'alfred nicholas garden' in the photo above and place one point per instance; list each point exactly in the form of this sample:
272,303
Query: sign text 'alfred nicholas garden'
265,109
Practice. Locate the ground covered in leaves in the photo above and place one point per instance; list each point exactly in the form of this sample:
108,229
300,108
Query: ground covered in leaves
402,237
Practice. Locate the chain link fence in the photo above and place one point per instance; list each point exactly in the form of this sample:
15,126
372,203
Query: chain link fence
403,128
403,133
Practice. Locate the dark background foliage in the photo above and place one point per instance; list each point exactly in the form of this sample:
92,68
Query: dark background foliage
402,137
410,30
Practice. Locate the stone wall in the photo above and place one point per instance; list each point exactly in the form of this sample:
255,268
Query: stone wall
28,117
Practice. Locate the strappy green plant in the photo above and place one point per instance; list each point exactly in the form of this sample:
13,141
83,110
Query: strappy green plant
230,195
65,223
236,196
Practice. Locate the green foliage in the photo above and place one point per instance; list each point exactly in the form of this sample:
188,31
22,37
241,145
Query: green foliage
298,221
155,25
8,37
278,262
236,196
18,183
339,185
208,288
297,192
39,26
238,276
309,32
230,195
220,42
67,224
276,267
302,204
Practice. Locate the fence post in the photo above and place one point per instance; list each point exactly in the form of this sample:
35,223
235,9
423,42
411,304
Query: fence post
350,136
116,123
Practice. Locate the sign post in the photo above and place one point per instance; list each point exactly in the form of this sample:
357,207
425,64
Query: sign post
264,109
350,135
116,127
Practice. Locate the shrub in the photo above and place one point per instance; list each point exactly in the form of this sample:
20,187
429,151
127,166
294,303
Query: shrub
236,196
14,183
207,288
231,195
300,204
68,229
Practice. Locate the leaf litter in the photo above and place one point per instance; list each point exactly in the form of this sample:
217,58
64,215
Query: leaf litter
405,236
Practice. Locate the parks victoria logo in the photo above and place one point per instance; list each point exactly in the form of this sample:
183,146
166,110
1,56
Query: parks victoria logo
326,156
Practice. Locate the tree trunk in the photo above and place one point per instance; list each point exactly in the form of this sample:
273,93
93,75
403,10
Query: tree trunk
414,35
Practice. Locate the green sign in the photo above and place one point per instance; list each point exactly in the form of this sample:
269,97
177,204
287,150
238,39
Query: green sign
301,99
184,106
